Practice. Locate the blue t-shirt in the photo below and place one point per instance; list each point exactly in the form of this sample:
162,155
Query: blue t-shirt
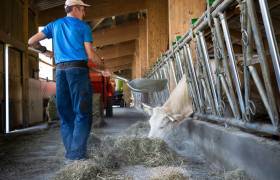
69,35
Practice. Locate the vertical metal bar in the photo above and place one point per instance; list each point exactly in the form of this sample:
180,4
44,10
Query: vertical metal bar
7,111
247,54
180,64
218,70
225,64
184,60
154,94
187,52
273,47
232,64
203,71
159,93
156,77
170,63
225,88
191,84
165,71
208,71
196,106
263,60
164,92
261,90
206,92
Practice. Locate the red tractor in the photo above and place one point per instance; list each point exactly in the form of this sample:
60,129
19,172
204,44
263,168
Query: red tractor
103,86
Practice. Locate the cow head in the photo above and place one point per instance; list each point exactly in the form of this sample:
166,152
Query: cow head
160,123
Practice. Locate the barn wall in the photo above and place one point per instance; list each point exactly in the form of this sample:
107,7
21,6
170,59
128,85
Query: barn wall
17,24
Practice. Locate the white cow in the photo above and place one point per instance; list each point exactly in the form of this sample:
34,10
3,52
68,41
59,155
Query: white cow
176,108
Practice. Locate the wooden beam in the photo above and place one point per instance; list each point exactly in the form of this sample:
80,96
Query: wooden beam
121,67
99,9
115,35
118,50
7,38
25,67
97,23
158,30
180,14
109,63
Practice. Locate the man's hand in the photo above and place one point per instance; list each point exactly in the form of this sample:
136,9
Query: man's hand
106,73
48,54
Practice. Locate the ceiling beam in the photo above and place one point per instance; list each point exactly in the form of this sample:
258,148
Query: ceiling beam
124,60
121,67
118,34
118,50
97,23
99,9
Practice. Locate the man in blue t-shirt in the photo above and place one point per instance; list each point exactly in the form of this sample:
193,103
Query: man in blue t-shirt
72,44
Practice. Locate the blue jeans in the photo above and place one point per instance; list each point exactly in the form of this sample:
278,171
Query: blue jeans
74,105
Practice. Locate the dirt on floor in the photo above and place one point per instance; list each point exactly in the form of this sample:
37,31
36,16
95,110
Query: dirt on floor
123,146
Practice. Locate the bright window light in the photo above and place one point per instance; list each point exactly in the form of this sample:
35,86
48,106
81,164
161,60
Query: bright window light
46,70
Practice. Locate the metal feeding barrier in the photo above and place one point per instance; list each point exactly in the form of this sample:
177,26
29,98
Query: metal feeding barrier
209,44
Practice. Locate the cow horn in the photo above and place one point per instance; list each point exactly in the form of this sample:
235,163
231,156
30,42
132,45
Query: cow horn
147,108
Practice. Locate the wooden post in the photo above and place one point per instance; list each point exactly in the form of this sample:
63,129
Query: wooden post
180,14
143,46
25,66
158,35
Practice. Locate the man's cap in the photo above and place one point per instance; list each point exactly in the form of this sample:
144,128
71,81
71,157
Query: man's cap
75,2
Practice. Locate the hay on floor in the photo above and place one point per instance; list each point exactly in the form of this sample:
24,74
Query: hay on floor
237,174
169,173
139,129
79,170
107,155
123,151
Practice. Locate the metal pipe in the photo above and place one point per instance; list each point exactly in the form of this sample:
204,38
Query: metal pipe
263,60
218,70
191,83
187,51
208,71
203,74
257,127
206,95
170,63
7,96
218,6
232,64
180,64
225,88
166,75
165,91
261,90
225,64
158,93
247,54
154,94
273,47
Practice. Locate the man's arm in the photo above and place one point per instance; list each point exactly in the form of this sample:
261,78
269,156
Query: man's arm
34,42
93,57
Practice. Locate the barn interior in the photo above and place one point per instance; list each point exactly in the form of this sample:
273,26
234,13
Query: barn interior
224,123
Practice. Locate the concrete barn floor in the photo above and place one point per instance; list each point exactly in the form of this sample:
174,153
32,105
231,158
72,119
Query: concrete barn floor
40,155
